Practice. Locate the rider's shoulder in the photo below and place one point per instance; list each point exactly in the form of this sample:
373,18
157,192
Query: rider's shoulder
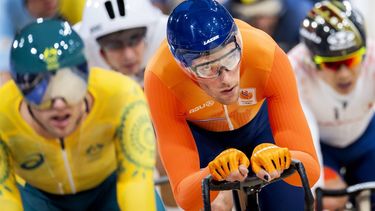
111,83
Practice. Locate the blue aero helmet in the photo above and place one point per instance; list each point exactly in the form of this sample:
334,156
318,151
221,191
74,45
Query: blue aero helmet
47,62
198,28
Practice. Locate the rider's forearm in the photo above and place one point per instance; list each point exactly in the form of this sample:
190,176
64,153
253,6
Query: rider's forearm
135,151
311,166
10,205
287,119
136,194
9,195
188,192
10,198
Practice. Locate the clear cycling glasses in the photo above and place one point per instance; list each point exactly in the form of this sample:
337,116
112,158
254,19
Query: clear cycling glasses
41,90
334,64
210,64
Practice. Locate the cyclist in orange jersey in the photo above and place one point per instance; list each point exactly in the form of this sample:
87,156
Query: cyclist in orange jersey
223,98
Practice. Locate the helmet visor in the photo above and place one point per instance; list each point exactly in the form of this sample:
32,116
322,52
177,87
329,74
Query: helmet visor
40,90
211,64
186,56
334,63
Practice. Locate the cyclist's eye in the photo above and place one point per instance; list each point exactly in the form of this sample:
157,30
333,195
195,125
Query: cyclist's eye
44,105
28,82
134,41
228,59
231,60
204,69
230,63
113,45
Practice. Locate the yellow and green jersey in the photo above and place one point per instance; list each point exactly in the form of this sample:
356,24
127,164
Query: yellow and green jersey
116,134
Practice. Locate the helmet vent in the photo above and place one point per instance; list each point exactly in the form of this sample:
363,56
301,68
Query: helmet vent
108,6
110,11
121,7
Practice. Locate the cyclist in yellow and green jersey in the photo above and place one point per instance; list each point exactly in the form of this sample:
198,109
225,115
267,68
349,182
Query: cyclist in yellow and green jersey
80,139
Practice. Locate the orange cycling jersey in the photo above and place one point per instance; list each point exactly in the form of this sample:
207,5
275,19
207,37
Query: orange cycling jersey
174,98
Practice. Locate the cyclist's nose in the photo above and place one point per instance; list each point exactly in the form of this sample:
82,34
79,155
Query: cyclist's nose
128,52
343,71
59,103
224,73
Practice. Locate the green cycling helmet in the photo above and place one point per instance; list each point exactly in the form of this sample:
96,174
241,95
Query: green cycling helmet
46,45
39,54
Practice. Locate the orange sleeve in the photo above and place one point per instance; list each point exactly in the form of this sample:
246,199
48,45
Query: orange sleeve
288,123
176,145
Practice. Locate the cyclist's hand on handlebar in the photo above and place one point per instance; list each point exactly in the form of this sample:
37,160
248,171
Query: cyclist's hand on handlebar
268,161
230,165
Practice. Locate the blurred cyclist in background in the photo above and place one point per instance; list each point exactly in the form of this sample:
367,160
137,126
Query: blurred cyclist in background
279,18
81,139
335,68
122,35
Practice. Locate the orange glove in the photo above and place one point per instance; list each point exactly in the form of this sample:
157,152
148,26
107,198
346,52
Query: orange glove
270,158
226,162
